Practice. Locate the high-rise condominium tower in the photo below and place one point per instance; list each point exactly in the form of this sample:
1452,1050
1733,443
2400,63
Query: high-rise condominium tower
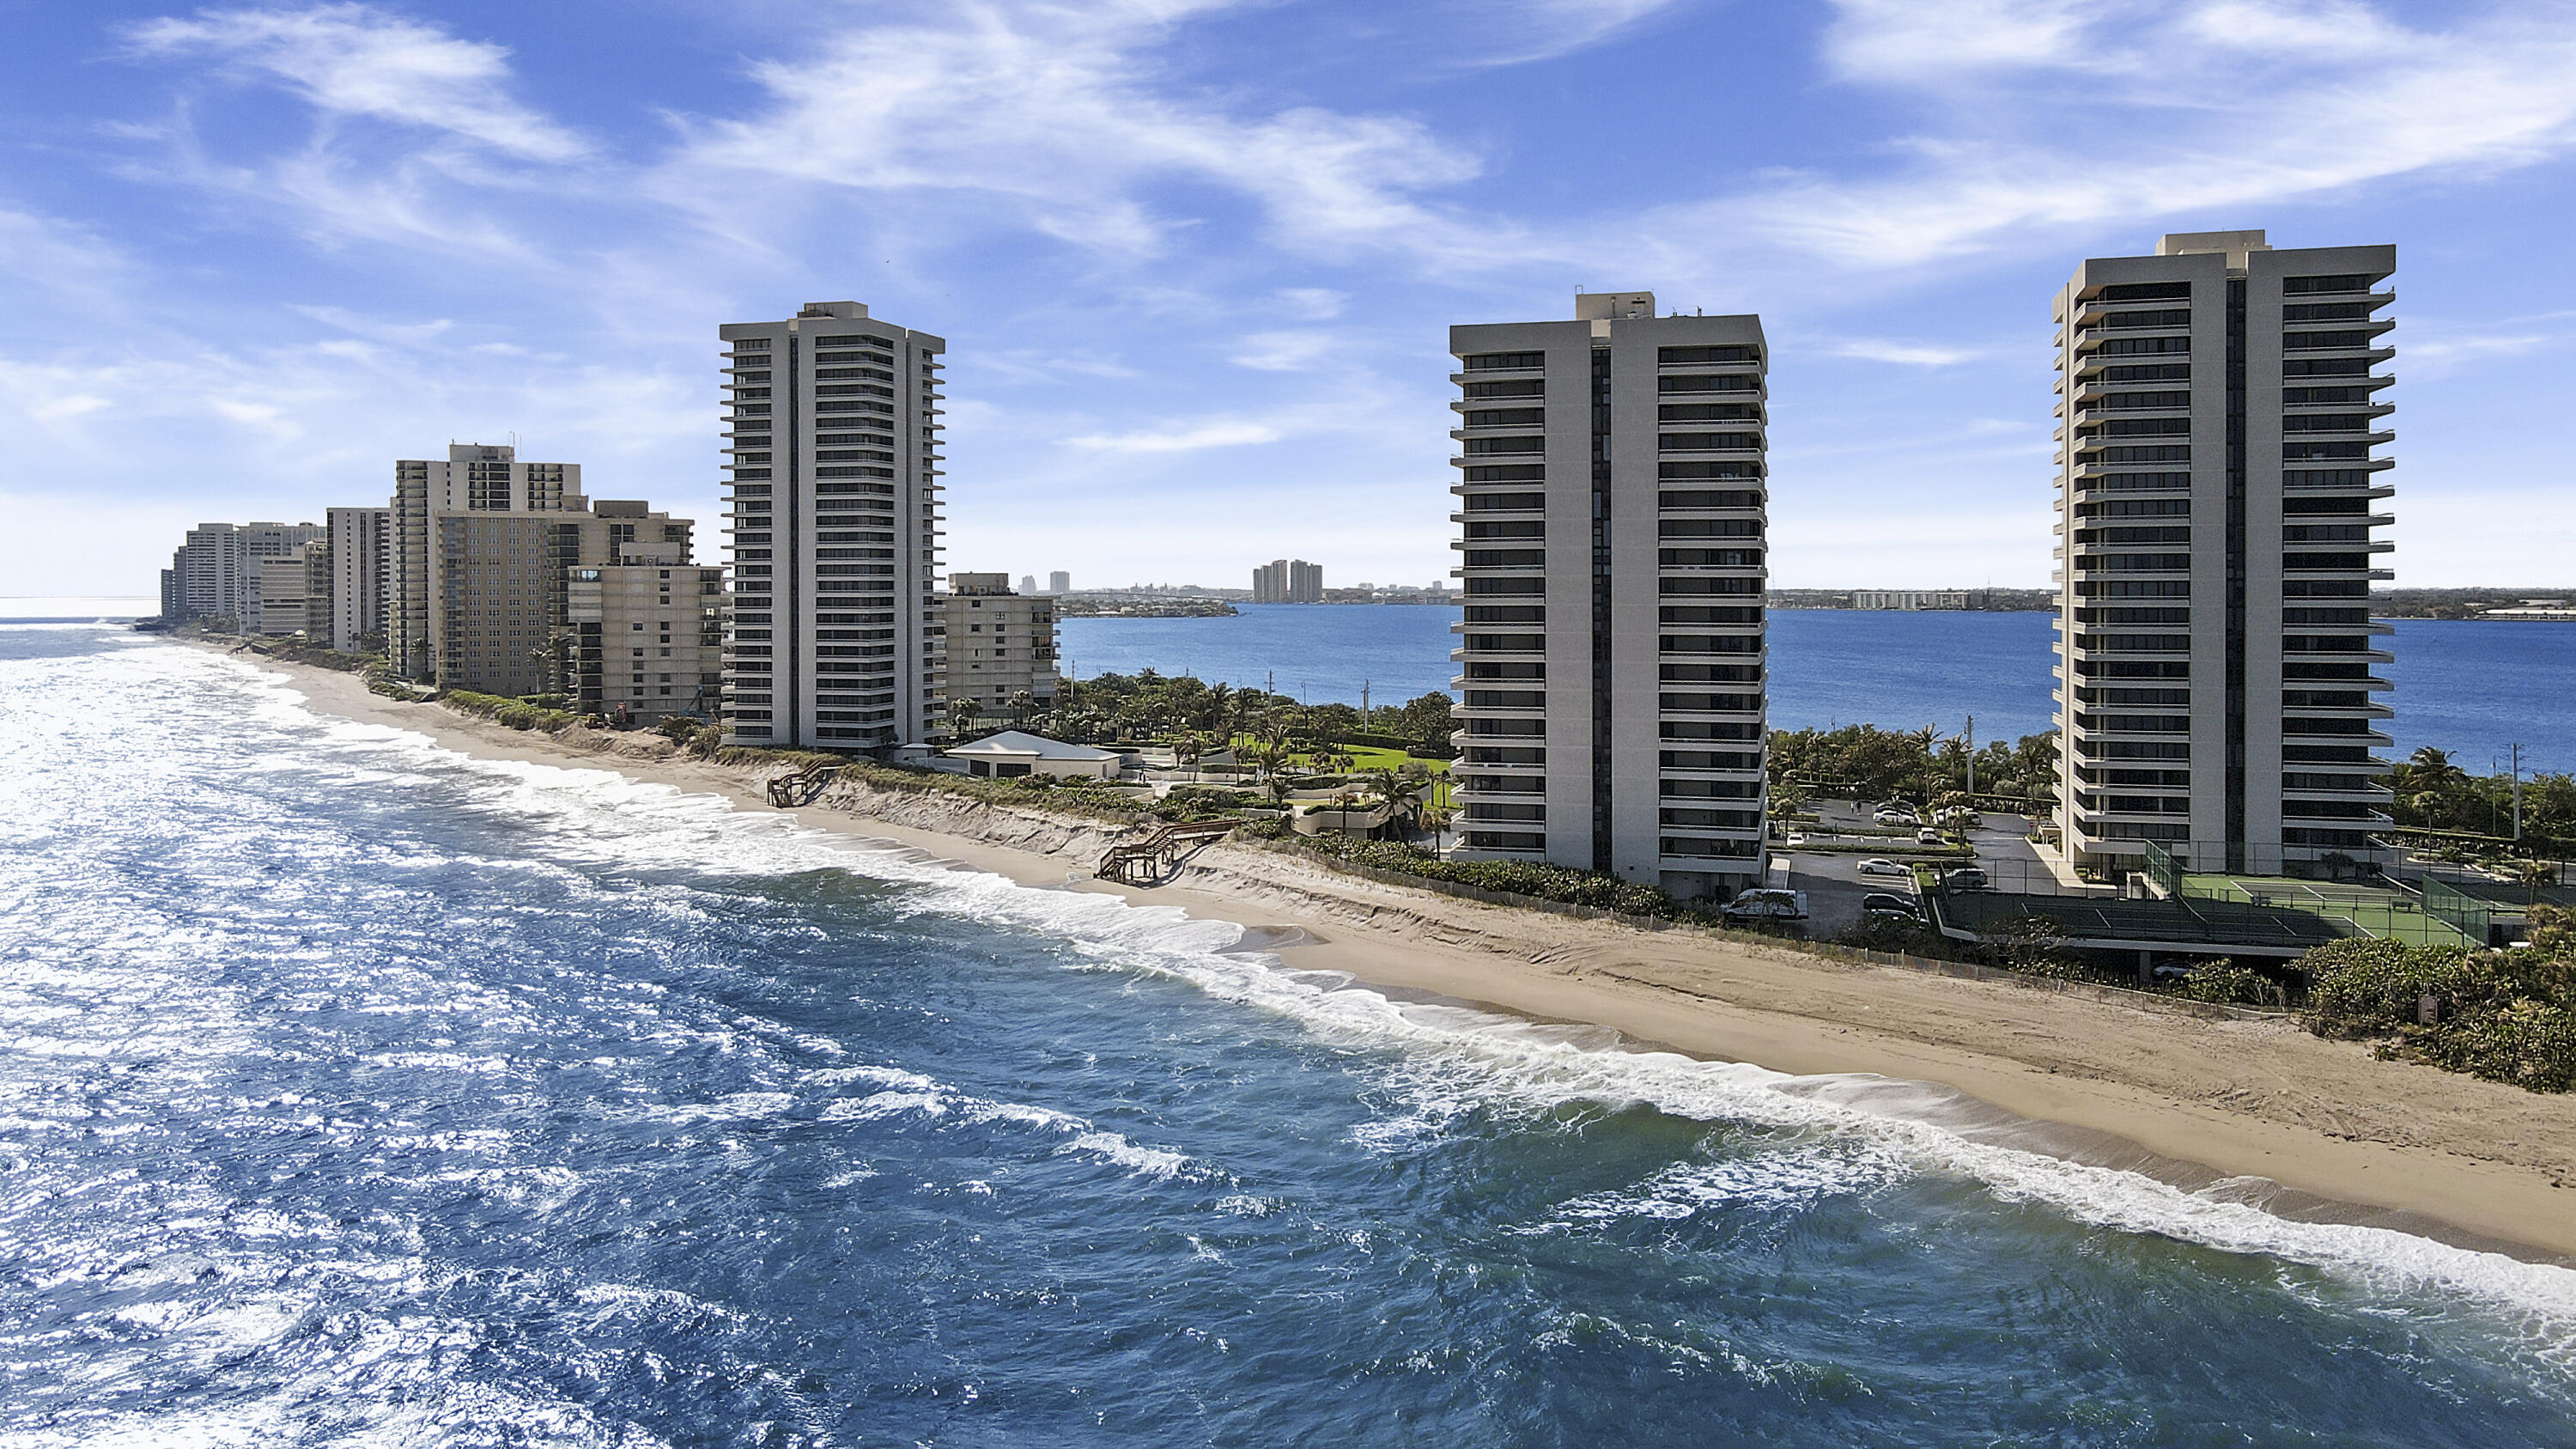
1288,581
1612,520
474,496
835,635
2217,491
1059,582
361,554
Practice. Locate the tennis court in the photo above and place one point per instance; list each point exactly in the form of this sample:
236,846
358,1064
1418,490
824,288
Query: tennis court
2391,915
2181,920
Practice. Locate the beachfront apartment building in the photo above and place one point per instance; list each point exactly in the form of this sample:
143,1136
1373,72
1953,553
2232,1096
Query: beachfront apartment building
294,594
1612,523
1001,645
1288,581
833,638
2220,407
646,635
214,574
361,541
427,637
500,617
1059,583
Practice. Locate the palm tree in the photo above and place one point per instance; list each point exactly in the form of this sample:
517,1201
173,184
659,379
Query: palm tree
1399,792
1021,703
1437,818
962,714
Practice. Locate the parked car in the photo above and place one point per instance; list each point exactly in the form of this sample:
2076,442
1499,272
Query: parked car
1960,816
1795,838
1876,866
1880,903
1897,817
1767,903
1967,878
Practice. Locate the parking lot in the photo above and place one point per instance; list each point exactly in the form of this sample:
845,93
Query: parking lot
1834,883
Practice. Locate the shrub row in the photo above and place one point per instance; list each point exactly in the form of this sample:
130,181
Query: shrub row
2507,1016
513,713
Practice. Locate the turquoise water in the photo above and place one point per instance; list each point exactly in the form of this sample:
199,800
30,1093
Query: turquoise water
354,1092
2471,688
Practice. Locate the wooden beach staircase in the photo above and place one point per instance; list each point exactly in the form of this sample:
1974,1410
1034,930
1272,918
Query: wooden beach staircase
799,787
1143,862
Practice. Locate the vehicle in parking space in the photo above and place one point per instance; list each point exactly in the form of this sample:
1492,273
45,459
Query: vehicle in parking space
1766,903
1967,878
1876,866
1880,903
1897,817
1927,836
1795,838
1958,815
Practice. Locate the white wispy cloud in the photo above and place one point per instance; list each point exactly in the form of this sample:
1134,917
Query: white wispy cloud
1058,114
1285,351
1224,434
2055,116
1910,354
361,60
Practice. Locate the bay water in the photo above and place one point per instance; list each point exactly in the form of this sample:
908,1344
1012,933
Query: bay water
2473,687
357,1092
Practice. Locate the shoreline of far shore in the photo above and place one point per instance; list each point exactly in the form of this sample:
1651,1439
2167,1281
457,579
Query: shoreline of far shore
2347,1137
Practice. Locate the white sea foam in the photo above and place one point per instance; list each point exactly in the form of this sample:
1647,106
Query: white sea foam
1459,1055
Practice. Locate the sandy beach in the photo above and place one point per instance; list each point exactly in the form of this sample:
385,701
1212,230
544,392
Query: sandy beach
2189,1099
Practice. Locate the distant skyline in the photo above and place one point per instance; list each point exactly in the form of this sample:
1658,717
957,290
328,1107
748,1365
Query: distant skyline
1195,265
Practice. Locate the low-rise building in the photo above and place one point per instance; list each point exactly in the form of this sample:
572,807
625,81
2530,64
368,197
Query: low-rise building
1013,753
1000,644
647,638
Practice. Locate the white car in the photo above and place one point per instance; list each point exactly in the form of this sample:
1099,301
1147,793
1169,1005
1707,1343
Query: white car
1927,836
1766,903
1875,866
1794,839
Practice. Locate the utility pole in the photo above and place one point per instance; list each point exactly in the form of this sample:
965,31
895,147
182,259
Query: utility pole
1972,762
1364,704
2517,794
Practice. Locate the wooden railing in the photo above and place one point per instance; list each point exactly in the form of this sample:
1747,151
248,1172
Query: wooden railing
1159,852
799,787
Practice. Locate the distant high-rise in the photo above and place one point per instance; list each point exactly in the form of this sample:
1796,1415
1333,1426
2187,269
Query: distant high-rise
835,634
2217,496
1612,520
361,555
215,573
1059,582
1029,584
1288,581
455,500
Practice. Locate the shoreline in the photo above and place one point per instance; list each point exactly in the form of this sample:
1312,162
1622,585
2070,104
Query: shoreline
2185,1100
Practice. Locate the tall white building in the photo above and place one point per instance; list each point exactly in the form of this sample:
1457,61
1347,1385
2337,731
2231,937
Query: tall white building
834,640
478,481
1612,523
215,573
2219,404
361,555
1059,582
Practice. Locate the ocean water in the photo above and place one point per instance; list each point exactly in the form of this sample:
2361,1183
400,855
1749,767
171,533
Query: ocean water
354,1092
2474,689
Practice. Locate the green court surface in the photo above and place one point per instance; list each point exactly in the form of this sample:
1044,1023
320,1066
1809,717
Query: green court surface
2182,920
2391,915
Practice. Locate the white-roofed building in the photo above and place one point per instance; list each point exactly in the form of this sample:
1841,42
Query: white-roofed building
1014,753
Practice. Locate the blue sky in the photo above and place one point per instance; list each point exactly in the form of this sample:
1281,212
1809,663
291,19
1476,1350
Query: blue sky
1195,260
